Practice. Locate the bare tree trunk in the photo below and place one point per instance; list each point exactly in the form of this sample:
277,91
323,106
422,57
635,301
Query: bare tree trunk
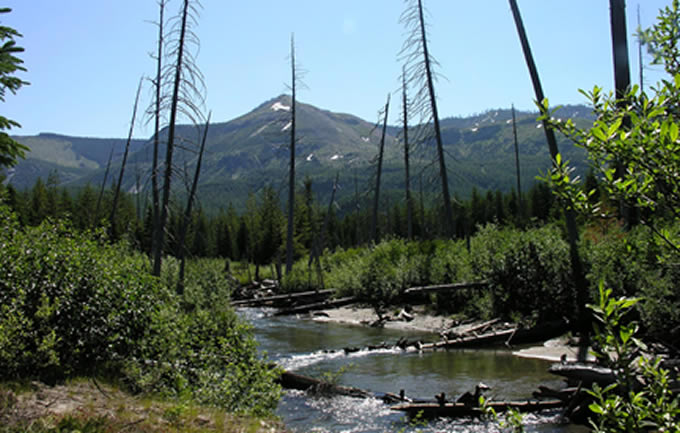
103,187
317,248
116,194
641,67
160,232
448,214
409,204
291,180
422,207
156,136
376,201
519,182
357,233
572,231
617,9
187,211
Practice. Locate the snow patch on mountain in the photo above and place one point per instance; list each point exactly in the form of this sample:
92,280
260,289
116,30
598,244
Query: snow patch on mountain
278,106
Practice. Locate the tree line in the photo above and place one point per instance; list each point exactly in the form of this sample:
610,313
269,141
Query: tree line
257,233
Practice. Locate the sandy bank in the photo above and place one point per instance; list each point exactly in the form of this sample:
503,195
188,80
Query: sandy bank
551,350
364,316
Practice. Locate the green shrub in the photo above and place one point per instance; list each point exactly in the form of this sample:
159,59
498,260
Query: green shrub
624,406
72,304
638,263
301,278
529,271
69,303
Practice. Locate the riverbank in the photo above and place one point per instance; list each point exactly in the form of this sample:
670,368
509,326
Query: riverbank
415,321
418,320
88,405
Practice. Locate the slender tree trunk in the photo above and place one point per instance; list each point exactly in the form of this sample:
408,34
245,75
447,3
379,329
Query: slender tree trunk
160,232
116,194
103,187
357,233
519,182
617,9
156,136
448,214
640,65
409,204
572,230
376,201
291,179
422,207
320,241
187,211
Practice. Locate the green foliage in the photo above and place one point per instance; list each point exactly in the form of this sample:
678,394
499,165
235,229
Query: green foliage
513,420
636,263
10,64
528,270
73,304
69,303
625,405
633,143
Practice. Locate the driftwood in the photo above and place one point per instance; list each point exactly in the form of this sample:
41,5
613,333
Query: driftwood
451,333
587,374
565,394
316,306
282,299
290,380
445,287
513,335
455,410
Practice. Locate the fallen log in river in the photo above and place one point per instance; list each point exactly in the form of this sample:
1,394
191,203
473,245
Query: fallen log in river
455,410
514,335
283,299
290,380
333,303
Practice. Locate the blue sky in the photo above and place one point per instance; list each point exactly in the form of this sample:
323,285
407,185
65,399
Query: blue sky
85,57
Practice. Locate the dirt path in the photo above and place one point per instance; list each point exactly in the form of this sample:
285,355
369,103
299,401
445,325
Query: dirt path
88,400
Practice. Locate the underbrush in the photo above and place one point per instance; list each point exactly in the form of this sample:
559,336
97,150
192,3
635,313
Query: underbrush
89,406
528,272
71,304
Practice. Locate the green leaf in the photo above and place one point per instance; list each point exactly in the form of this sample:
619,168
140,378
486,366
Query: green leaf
673,132
596,408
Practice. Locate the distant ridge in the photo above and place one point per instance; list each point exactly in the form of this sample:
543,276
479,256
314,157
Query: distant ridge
249,152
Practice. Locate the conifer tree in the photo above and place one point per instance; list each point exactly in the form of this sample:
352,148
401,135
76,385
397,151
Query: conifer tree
10,64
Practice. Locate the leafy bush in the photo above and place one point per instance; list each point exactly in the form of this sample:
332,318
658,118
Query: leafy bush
69,304
529,271
637,263
625,406
72,304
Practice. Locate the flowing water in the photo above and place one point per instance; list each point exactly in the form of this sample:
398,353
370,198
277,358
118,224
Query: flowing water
303,346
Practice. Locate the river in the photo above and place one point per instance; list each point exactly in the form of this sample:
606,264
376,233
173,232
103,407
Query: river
300,345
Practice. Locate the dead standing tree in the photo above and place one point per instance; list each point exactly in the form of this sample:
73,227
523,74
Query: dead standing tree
155,112
381,152
291,173
116,193
185,87
572,230
419,72
187,211
617,15
407,182
517,171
